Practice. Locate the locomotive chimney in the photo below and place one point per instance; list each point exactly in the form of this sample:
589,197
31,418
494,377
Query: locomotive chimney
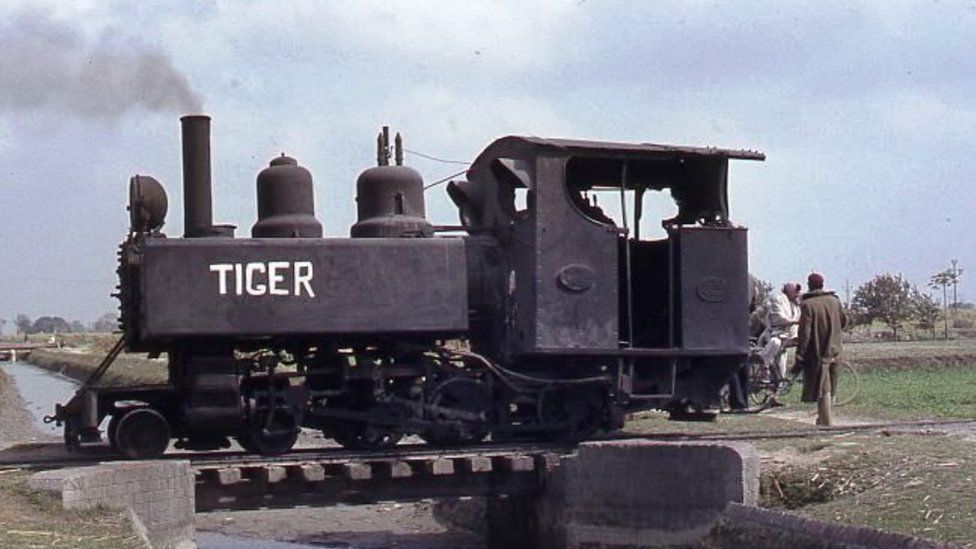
197,199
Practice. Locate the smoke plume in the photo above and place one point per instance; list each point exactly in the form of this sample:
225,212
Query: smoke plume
47,64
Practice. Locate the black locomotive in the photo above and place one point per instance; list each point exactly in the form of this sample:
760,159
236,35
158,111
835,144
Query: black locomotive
538,316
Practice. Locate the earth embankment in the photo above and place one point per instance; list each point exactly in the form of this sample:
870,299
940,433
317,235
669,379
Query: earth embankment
126,370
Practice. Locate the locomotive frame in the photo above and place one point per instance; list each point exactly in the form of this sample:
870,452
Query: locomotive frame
546,318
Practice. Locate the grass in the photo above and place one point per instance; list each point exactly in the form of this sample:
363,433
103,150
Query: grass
655,422
914,483
945,393
905,482
127,369
31,519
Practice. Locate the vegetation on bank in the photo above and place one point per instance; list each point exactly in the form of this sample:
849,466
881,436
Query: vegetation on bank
31,519
126,370
921,485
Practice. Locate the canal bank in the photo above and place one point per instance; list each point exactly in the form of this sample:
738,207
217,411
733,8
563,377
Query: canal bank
38,390
407,525
127,369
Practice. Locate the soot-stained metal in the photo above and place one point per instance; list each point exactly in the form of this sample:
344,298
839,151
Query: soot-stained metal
549,315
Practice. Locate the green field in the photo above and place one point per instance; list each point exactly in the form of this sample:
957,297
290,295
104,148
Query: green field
948,393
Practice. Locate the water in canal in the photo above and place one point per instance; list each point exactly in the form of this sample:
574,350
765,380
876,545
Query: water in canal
41,389
213,540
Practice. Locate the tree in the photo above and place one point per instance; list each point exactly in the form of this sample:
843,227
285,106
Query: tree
944,279
925,310
887,298
759,292
50,325
107,323
23,323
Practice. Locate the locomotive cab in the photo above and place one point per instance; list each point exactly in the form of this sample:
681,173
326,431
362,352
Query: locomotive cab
581,285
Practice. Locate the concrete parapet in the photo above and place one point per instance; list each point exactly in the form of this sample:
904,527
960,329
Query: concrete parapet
159,495
632,493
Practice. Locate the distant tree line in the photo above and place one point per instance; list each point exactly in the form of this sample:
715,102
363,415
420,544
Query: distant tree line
891,300
894,301
58,325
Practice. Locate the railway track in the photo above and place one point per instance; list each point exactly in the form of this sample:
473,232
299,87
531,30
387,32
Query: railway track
22,460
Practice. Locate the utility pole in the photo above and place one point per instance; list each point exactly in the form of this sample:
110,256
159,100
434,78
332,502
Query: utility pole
956,273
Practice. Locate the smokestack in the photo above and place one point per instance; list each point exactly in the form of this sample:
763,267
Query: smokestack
197,199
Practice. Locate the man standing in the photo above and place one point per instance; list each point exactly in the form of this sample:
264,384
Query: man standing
820,342
782,319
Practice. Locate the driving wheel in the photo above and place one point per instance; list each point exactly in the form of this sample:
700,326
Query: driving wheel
460,406
270,438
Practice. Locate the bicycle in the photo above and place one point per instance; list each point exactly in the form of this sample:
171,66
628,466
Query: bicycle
765,385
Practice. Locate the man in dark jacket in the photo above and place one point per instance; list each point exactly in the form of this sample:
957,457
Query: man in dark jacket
819,344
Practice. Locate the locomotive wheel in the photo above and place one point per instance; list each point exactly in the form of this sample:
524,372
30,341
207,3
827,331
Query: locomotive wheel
578,415
466,395
361,436
141,433
111,432
277,439
689,411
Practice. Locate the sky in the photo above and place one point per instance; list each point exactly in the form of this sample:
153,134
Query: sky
865,111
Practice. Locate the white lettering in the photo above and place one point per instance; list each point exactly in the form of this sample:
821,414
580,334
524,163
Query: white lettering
249,270
303,278
274,278
250,279
222,270
238,279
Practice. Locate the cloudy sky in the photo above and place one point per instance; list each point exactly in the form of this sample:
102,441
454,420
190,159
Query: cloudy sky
865,110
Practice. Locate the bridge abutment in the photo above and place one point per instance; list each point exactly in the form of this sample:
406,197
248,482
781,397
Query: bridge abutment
157,495
628,494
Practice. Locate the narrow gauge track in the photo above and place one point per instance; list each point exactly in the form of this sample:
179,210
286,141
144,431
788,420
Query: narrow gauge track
413,451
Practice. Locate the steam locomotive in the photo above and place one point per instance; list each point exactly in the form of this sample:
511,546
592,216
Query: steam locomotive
539,316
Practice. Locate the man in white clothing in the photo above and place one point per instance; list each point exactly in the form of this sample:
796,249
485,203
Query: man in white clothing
782,322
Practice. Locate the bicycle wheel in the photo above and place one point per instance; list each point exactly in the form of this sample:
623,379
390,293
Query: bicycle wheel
848,383
761,389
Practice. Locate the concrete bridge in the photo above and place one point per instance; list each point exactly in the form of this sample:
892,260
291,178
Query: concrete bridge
11,350
624,494
633,493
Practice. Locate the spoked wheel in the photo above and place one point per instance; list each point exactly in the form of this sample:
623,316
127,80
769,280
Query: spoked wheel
141,433
761,388
460,405
358,435
848,383
270,439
